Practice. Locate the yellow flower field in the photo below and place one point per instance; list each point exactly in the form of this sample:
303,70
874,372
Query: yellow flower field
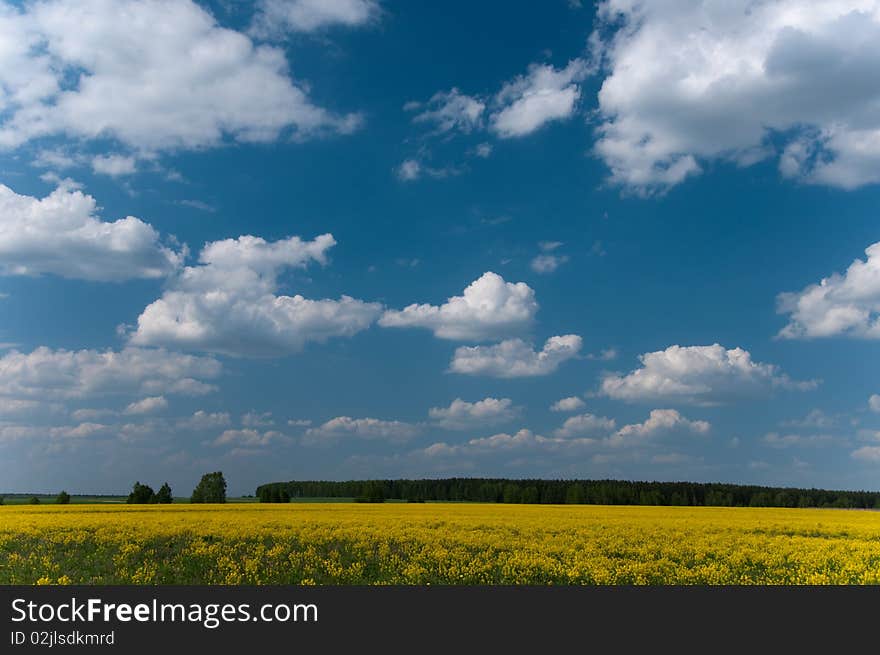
461,544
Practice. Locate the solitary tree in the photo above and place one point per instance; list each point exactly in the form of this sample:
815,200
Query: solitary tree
141,494
63,498
211,489
163,496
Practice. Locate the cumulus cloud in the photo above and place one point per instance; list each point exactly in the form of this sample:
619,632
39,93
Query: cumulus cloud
585,425
845,305
816,418
463,415
874,402
202,420
547,263
91,413
362,428
515,358
147,405
776,440
659,422
114,165
248,438
522,440
488,308
450,110
503,441
62,234
275,17
152,74
257,420
594,435
870,454
689,83
698,374
409,170
542,95
65,374
16,407
81,430
570,404
228,303
413,169
605,355
483,150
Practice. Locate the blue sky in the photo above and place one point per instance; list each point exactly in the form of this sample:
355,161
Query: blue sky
298,239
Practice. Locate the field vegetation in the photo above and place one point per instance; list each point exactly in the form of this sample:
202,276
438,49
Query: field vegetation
438,544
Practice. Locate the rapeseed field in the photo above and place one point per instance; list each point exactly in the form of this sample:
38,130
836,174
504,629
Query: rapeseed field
437,544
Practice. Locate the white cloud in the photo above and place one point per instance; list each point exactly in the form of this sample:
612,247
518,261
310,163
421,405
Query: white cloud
550,246
660,422
228,303
449,111
699,81
114,165
78,431
361,428
483,150
547,263
413,169
605,355
147,405
570,404
56,158
867,454
515,358
409,170
462,415
248,438
523,440
191,387
12,407
488,308
274,17
585,425
503,441
594,435
202,420
198,204
90,414
543,95
776,440
874,402
61,234
152,74
840,305
66,374
699,375
816,418
257,420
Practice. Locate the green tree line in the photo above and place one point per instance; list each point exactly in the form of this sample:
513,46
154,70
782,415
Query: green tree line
592,492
